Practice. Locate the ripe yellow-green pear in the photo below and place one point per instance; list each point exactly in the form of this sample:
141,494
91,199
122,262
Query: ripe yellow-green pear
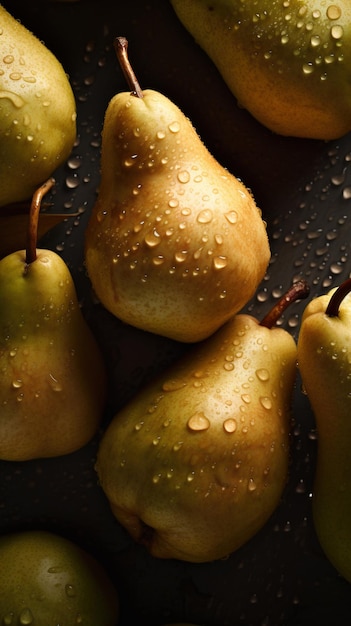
287,63
46,580
175,244
195,464
37,111
324,359
53,379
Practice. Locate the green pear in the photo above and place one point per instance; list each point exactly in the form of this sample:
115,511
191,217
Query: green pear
37,112
287,63
46,580
175,244
53,379
324,359
195,464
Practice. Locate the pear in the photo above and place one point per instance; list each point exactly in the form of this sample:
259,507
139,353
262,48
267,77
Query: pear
175,244
324,359
195,464
285,62
37,112
53,378
47,579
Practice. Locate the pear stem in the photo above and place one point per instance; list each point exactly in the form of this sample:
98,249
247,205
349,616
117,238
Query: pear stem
121,48
298,291
332,309
32,231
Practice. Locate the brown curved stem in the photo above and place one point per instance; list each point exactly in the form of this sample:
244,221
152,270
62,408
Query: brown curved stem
121,48
298,291
32,230
334,303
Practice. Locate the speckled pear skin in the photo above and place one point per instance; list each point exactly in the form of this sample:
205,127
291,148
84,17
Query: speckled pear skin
53,378
287,63
175,244
196,463
37,111
324,349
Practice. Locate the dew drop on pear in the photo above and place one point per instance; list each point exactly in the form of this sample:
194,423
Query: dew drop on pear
198,422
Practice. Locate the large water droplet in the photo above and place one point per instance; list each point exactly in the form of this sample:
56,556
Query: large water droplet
220,262
198,422
230,425
152,239
205,216
333,12
262,374
232,217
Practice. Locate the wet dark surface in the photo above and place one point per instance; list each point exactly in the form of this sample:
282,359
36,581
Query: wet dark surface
281,576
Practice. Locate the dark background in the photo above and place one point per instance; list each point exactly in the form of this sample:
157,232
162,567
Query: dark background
303,188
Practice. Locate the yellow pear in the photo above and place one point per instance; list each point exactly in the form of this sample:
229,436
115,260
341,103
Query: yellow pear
287,63
195,464
46,580
53,379
175,244
324,359
37,111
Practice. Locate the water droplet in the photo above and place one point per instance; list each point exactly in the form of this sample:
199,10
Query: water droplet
54,383
251,485
205,216
308,68
246,398
337,32
333,12
183,176
152,239
198,422
8,619
262,374
266,402
174,127
232,217
180,256
17,383
230,425
220,262
315,41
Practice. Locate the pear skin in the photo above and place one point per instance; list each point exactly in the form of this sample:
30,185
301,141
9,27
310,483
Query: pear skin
46,580
52,386
175,244
196,463
324,357
285,62
37,113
